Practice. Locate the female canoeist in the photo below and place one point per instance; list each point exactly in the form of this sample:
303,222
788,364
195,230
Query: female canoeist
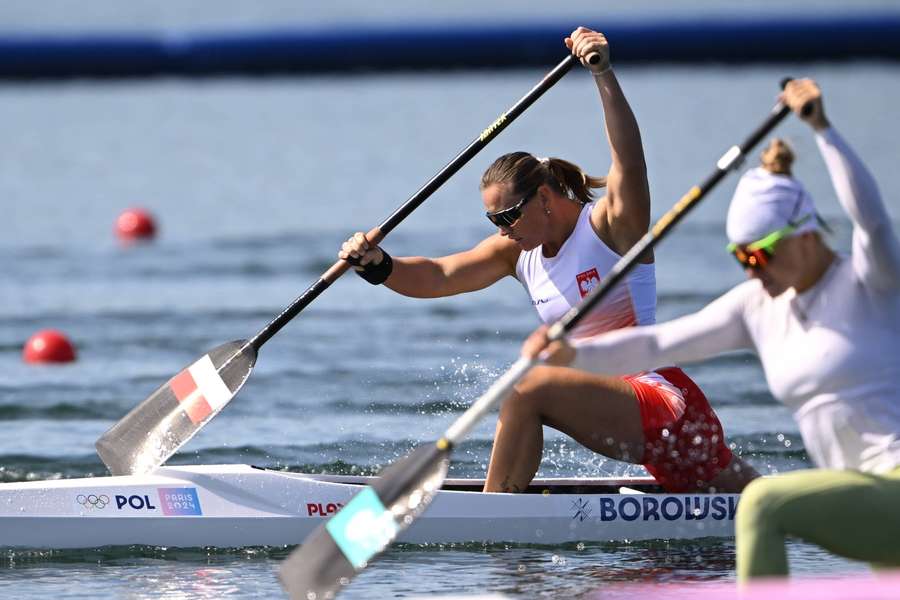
558,242
826,328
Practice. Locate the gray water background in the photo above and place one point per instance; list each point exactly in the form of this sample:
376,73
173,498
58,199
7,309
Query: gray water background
255,182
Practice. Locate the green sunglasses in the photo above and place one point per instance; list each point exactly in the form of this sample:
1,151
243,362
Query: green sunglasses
756,255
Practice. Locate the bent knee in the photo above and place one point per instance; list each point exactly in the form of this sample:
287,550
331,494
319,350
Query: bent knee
529,395
519,405
536,382
760,503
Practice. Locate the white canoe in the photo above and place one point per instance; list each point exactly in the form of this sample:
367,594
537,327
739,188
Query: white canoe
239,505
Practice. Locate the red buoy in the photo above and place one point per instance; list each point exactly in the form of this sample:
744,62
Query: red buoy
48,346
135,224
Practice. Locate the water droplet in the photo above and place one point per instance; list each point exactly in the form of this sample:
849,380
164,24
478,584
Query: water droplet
579,546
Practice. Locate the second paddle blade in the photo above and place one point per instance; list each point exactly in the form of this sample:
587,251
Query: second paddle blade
337,550
159,425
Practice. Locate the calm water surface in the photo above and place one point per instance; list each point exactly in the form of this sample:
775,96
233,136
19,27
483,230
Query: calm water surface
255,183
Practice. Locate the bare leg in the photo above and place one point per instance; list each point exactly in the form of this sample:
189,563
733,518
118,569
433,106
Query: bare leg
601,413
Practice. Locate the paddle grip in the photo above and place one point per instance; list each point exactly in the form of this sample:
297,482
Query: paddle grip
374,237
807,108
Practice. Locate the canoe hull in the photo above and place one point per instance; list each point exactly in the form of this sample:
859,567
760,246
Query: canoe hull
238,505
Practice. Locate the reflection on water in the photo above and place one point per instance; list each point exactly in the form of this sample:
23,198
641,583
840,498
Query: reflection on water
571,570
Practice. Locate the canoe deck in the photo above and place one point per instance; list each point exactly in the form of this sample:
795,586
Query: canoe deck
552,485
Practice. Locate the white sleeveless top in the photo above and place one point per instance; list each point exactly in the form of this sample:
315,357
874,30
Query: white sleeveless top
557,284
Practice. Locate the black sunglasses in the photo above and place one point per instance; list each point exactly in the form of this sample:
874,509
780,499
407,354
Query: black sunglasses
508,216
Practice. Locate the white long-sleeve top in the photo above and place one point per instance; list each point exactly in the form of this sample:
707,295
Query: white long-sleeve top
831,354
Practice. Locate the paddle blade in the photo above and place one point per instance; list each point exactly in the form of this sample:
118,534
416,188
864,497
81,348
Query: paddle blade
337,550
154,430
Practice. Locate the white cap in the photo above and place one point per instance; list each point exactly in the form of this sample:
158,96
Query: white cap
764,202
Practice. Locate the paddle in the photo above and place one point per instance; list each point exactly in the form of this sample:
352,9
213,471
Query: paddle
337,550
170,416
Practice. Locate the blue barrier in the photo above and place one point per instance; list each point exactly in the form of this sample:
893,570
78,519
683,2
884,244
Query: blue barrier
873,36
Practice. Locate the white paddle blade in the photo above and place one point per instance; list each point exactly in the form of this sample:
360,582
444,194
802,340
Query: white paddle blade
337,550
155,429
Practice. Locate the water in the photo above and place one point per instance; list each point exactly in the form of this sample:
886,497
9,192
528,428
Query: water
255,183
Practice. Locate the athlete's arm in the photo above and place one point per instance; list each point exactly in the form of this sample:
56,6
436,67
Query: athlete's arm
626,209
475,269
876,251
623,216
420,277
719,327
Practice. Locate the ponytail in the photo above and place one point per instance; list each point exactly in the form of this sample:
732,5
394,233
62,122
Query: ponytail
572,181
525,173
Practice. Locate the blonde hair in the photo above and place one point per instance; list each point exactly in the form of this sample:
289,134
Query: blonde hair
525,173
778,157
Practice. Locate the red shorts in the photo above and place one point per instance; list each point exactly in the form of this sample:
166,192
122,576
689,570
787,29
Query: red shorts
684,443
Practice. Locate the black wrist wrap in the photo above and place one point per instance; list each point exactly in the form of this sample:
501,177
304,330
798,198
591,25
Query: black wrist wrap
378,274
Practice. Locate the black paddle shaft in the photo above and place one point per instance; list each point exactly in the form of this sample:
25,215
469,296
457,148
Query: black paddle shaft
377,234
729,161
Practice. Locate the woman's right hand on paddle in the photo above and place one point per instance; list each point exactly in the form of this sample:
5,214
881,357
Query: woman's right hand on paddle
358,250
558,353
583,42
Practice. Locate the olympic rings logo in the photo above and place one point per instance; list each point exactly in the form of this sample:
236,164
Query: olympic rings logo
92,501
